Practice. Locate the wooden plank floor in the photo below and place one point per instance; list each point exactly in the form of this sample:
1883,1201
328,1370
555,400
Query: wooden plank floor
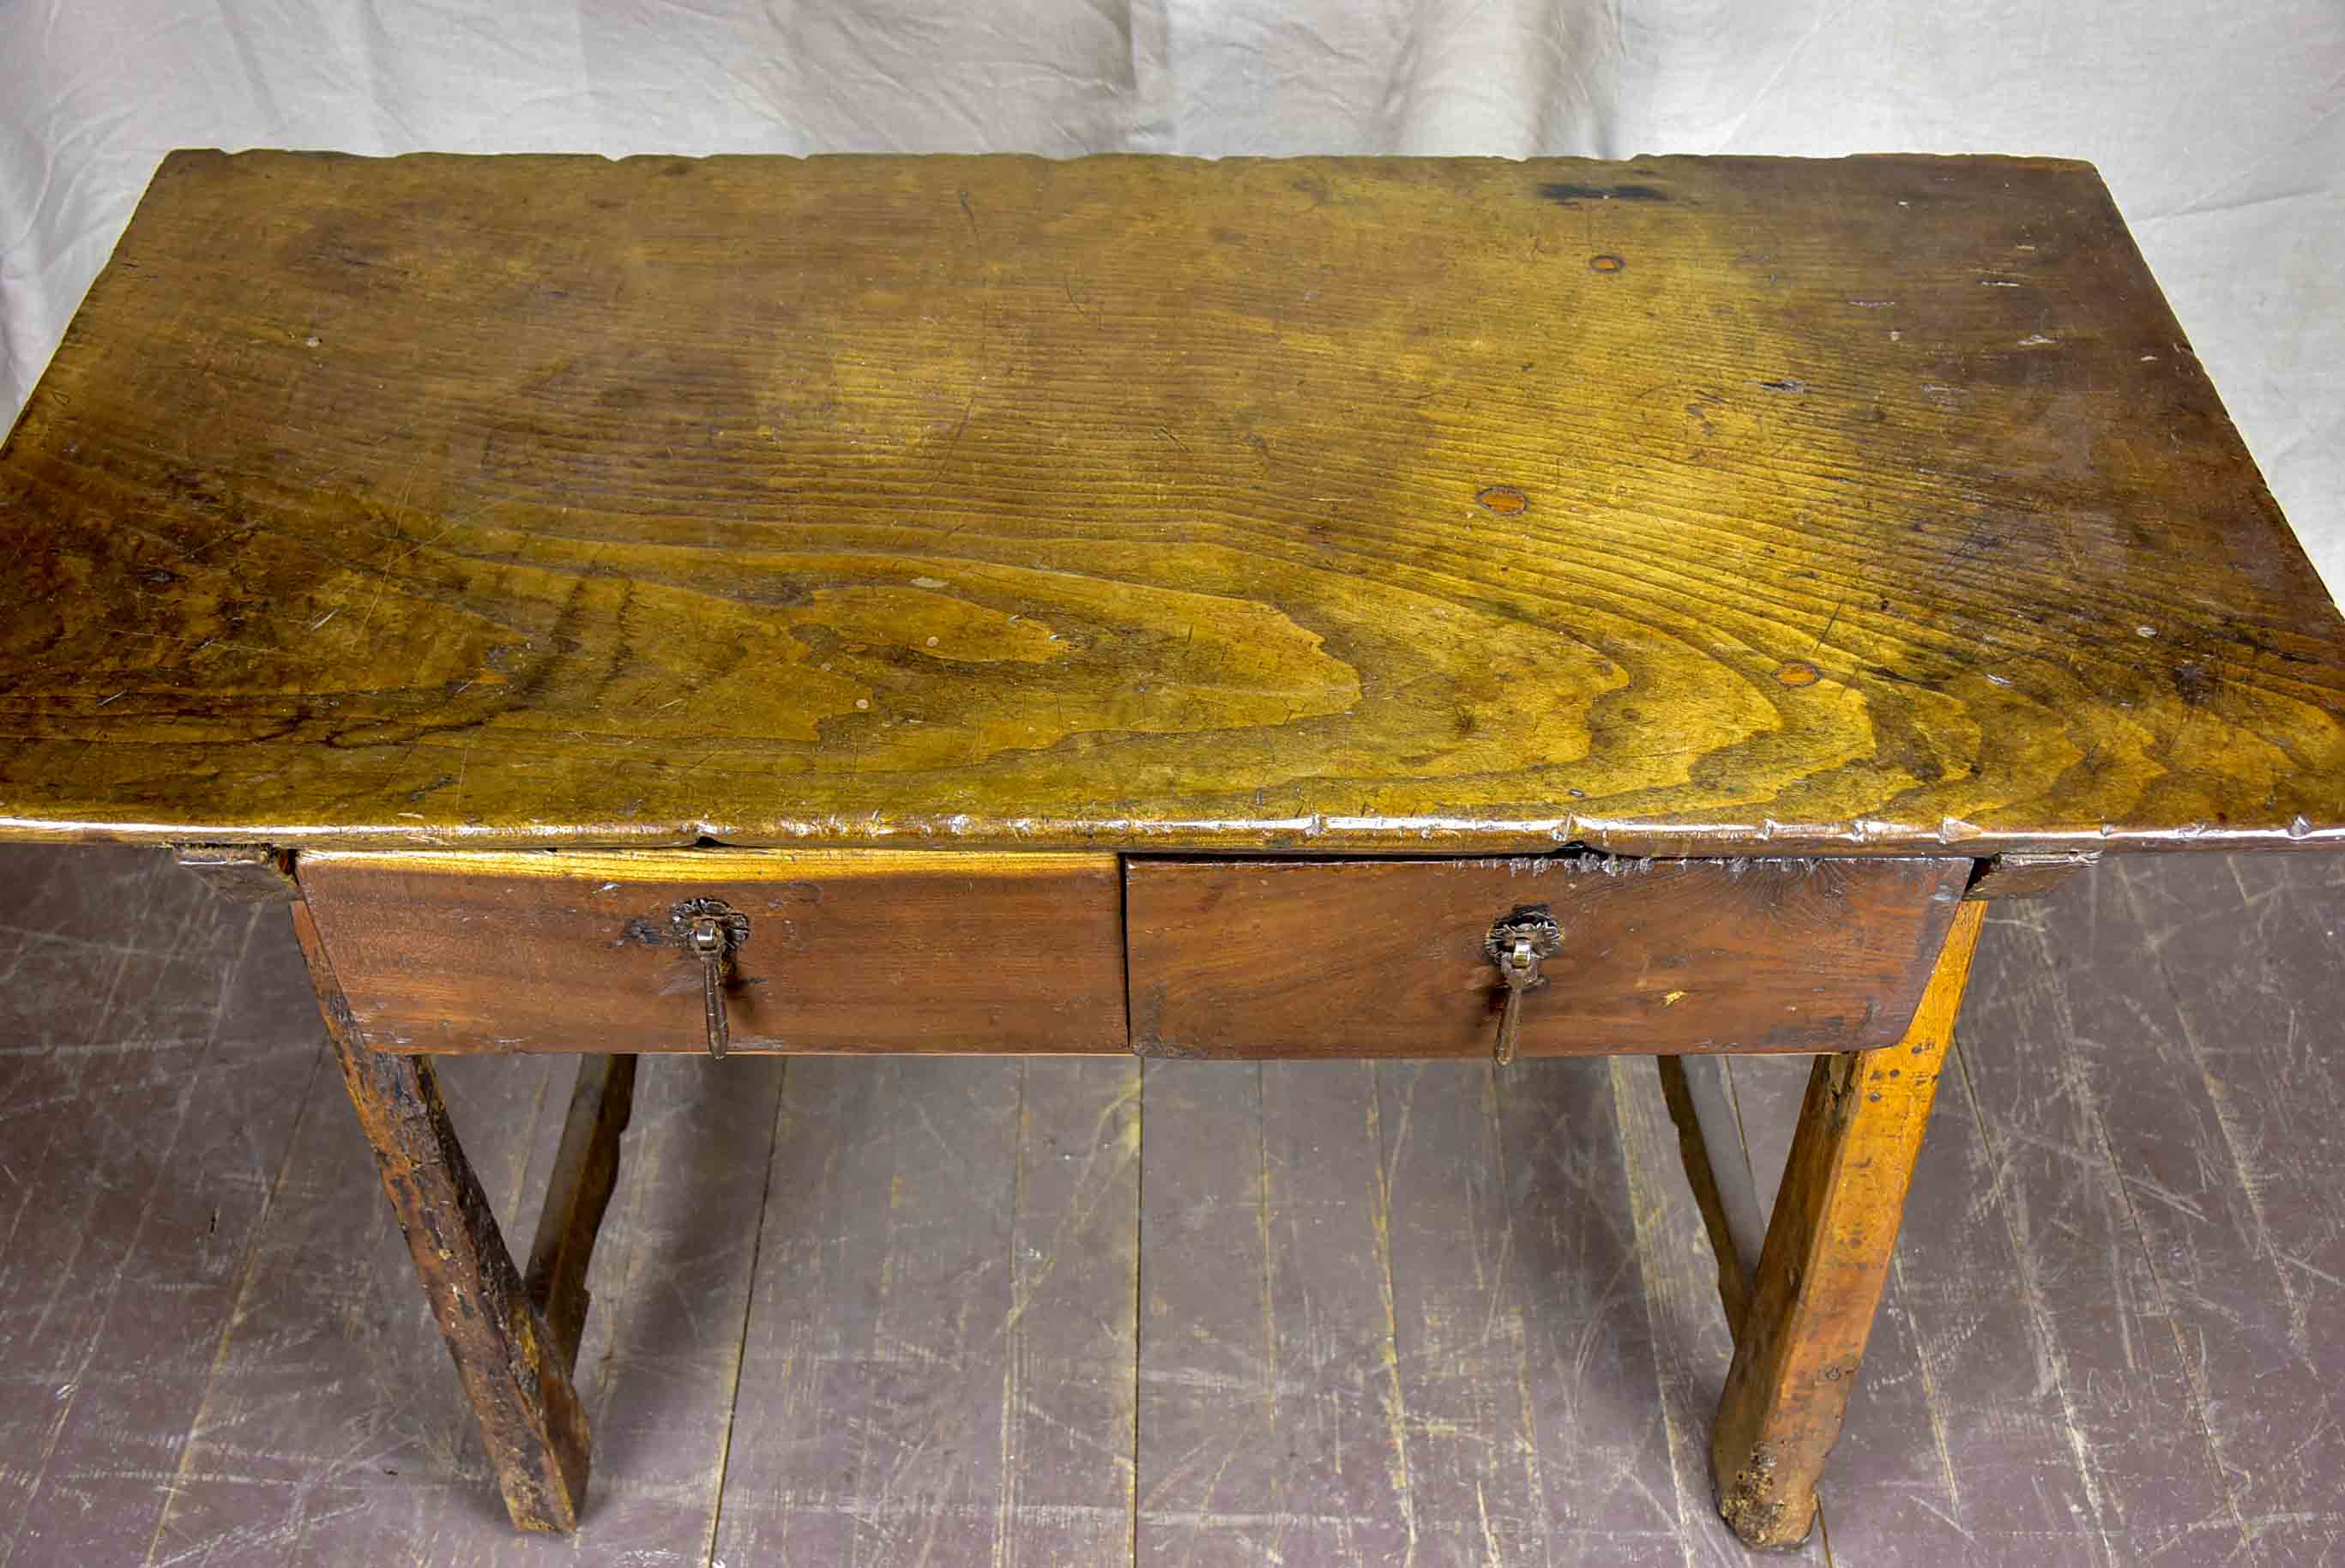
1005,1312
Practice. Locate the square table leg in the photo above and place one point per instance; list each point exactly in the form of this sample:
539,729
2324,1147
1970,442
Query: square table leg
514,1368
1801,1333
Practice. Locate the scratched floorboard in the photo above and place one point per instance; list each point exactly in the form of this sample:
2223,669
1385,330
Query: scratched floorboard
939,1366
2231,1139
330,1428
1683,1319
166,1049
881,1312
1272,1424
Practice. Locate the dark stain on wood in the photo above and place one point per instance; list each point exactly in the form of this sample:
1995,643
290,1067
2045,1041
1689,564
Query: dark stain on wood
1571,193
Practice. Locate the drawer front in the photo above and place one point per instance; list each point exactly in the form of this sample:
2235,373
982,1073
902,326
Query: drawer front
1386,958
845,952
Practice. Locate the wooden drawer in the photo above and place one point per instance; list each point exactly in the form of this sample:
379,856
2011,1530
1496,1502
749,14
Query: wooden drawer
846,950
1384,958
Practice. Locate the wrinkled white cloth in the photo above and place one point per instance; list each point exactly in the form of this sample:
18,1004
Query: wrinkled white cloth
2216,122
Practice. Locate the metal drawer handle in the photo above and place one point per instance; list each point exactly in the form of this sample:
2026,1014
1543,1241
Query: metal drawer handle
712,930
1518,942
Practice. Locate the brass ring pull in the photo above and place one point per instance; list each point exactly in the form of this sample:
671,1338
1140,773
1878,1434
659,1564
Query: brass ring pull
712,930
1518,943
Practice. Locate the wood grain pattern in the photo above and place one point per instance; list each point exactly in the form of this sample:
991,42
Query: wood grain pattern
1371,506
848,950
1801,1342
531,1422
1384,958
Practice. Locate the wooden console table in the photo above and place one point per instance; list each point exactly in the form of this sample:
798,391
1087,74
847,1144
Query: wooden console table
1324,607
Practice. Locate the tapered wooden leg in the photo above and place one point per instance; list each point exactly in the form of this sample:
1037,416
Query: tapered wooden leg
1827,1252
1710,1146
512,1368
586,1173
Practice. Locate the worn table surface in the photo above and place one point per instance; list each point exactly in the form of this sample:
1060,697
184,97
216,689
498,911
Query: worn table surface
1674,505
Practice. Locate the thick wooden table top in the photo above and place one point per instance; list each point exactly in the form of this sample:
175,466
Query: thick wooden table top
1682,504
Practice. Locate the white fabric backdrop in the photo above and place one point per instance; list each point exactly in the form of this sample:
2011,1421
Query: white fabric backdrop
2216,122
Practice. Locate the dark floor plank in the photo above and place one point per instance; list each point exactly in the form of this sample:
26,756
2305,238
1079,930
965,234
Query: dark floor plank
2055,1033
1599,1437
657,1366
670,1286
1272,1424
1518,1456
2022,1395
73,940
1927,1469
1684,1321
165,1122
1068,1483
333,1422
940,1324
867,1424
1388,1342
1767,1091
1463,1375
1462,1366
2229,1128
